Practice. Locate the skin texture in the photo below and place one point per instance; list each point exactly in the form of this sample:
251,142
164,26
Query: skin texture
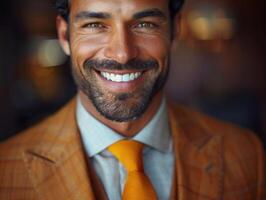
121,31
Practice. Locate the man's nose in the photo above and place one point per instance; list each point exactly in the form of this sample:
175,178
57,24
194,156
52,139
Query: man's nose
121,46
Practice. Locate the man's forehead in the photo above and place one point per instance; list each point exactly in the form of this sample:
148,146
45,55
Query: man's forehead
117,6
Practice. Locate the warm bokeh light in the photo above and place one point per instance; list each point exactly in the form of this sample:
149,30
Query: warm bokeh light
50,53
211,24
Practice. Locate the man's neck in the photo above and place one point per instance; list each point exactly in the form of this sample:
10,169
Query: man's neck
129,128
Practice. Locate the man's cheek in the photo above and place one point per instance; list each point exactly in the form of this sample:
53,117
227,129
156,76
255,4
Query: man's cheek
85,48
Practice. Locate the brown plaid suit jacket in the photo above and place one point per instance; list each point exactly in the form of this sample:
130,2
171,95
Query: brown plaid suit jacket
214,160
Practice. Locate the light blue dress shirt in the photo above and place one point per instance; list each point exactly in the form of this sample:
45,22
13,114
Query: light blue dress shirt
157,155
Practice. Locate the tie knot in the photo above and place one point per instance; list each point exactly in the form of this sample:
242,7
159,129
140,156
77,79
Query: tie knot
129,153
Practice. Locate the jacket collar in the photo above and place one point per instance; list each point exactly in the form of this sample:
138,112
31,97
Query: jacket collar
198,153
57,163
56,137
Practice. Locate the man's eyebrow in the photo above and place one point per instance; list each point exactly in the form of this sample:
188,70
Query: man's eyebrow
90,14
154,12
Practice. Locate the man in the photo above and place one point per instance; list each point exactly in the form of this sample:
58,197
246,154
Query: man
120,56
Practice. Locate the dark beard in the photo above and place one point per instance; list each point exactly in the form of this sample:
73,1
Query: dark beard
120,107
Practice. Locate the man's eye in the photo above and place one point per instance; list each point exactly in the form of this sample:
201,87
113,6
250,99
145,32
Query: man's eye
146,25
94,25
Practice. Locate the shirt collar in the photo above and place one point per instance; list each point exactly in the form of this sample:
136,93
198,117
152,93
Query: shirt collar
156,133
96,136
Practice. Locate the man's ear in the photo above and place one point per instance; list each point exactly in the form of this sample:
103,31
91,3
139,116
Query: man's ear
63,35
176,28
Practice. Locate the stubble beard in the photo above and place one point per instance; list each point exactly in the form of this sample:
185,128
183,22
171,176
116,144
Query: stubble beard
119,107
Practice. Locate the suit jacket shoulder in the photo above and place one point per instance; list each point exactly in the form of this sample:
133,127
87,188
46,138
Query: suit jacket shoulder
16,180
237,141
241,154
232,134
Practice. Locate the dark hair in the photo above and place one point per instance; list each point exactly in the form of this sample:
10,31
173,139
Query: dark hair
63,9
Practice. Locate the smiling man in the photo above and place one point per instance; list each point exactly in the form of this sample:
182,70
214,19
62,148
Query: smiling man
119,138
120,53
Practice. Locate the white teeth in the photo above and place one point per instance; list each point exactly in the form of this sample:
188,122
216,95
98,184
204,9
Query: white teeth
131,76
126,77
120,77
112,77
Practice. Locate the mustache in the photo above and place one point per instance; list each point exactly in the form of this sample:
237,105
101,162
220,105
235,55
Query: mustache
133,64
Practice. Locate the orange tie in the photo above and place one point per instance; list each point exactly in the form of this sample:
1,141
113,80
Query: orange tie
138,185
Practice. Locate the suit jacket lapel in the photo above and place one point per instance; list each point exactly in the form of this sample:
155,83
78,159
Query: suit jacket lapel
57,164
199,159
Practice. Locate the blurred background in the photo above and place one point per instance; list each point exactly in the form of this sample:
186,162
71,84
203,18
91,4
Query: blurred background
217,66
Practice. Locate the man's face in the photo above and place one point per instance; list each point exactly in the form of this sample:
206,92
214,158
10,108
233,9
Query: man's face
119,51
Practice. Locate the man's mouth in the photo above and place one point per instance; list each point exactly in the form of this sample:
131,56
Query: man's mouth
127,77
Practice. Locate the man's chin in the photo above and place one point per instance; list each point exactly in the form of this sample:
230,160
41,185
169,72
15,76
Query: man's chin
123,108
